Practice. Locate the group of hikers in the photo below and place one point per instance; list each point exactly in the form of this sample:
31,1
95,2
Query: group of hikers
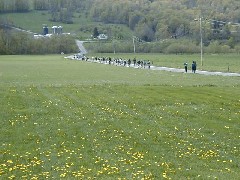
128,62
119,61
194,66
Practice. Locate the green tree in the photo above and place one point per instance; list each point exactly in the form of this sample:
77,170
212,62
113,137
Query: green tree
134,19
144,32
3,49
40,4
22,5
95,32
66,16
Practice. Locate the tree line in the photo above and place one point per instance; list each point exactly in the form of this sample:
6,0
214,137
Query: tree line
14,42
170,46
150,20
158,19
14,6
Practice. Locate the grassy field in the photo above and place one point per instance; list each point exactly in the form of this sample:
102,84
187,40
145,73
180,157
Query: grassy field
65,119
22,20
39,18
82,26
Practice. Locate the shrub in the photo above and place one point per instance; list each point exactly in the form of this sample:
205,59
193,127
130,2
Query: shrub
183,46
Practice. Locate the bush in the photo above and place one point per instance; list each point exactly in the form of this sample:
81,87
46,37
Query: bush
168,47
237,48
183,46
216,48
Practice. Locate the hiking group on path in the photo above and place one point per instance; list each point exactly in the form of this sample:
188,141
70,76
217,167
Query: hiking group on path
147,64
194,66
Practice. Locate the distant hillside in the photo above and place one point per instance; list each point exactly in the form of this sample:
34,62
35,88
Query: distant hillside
150,19
147,20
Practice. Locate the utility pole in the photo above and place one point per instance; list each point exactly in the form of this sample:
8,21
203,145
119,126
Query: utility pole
201,37
200,21
134,46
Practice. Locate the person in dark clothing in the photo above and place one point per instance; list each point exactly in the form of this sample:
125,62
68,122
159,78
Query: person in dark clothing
129,62
149,64
194,66
185,66
134,61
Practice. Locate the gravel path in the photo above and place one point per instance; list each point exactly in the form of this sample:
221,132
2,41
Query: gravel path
84,51
197,72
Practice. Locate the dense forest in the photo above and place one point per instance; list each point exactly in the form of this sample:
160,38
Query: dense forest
149,20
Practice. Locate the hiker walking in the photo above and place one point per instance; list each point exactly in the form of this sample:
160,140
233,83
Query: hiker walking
185,66
129,62
134,61
194,66
149,64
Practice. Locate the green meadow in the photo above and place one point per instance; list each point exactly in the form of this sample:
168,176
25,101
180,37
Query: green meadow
40,18
66,119
82,26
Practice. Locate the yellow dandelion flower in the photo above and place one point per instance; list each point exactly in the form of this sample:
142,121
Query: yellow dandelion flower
9,161
63,175
164,175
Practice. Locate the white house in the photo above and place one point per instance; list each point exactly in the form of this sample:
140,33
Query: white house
102,37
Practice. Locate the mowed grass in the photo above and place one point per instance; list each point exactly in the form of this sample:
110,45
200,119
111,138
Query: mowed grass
65,119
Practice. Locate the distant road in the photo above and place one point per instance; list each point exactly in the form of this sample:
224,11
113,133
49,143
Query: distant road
82,49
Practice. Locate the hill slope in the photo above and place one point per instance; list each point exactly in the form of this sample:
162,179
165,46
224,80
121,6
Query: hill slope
148,19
